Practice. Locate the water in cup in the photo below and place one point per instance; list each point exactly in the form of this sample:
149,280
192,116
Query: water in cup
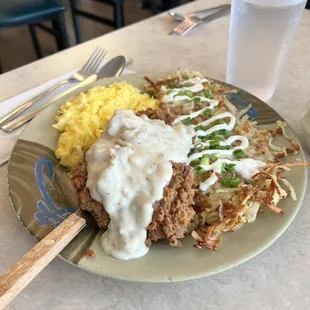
261,35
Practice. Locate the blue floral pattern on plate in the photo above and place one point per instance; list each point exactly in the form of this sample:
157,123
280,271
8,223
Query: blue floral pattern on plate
235,98
48,212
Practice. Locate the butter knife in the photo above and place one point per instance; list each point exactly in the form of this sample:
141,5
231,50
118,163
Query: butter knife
114,67
203,13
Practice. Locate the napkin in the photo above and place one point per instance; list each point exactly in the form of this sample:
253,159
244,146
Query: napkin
8,139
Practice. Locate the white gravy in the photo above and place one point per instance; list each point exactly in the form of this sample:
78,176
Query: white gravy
127,170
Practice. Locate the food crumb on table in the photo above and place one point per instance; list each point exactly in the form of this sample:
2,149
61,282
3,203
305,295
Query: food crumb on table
90,253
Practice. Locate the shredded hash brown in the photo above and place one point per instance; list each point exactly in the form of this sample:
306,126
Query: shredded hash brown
225,209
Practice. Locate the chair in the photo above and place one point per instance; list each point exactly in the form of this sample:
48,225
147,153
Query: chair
32,13
157,6
117,22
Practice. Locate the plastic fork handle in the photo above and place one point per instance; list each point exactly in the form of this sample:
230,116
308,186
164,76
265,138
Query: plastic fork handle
17,122
8,117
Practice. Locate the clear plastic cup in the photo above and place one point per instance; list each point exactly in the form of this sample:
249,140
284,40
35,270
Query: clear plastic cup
261,35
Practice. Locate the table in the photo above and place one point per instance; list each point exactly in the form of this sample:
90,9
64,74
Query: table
278,278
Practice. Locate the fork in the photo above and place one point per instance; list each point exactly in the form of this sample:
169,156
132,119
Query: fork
90,67
192,20
186,25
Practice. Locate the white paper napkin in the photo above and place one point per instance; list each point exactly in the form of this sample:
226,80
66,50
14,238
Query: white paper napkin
8,139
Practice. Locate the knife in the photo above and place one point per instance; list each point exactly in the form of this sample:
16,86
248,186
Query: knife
204,13
114,67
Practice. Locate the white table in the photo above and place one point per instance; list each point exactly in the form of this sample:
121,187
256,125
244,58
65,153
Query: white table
278,278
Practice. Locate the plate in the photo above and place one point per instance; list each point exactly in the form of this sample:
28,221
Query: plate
42,195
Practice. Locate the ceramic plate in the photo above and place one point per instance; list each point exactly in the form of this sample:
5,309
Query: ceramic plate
42,196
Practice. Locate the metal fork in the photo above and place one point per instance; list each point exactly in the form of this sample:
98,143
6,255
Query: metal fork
192,20
186,25
90,67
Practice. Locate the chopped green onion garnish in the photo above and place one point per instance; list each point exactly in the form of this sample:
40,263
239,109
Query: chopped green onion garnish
208,93
207,112
219,121
200,128
214,133
214,157
238,154
169,91
186,92
174,84
222,132
199,170
195,162
197,100
187,121
188,84
215,144
205,161
230,182
218,138
226,168
203,139
215,86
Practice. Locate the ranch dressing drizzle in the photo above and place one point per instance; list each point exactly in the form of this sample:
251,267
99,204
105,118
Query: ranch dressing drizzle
229,127
195,88
224,153
213,104
128,169
246,167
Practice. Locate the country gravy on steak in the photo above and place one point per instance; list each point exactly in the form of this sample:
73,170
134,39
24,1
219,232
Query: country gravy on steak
128,168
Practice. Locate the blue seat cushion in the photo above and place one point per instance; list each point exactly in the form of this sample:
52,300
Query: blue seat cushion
19,12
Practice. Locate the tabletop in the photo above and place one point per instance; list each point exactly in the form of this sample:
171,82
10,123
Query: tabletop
278,278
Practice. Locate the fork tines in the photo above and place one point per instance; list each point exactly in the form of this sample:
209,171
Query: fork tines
184,27
94,61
